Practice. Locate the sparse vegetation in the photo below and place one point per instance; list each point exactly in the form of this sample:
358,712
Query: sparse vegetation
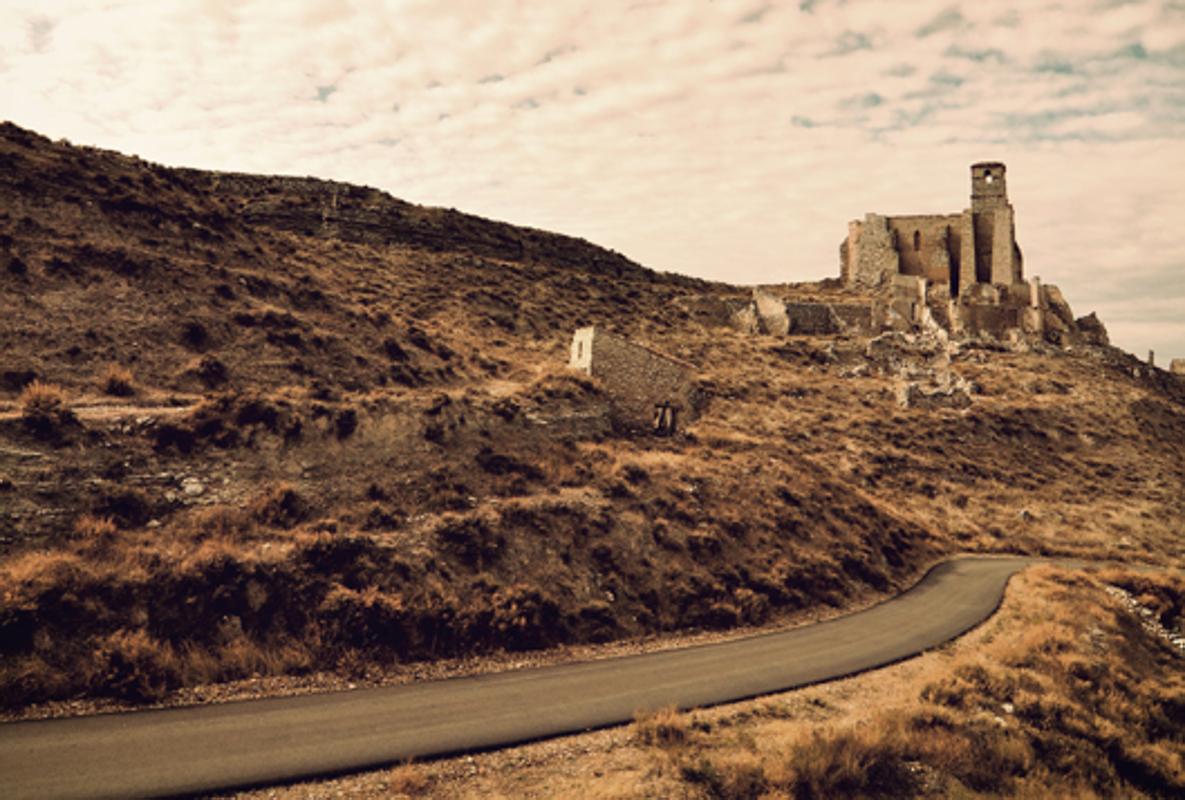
665,728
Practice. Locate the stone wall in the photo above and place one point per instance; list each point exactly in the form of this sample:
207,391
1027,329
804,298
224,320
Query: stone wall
855,317
1177,366
992,320
635,378
876,254
937,244
812,318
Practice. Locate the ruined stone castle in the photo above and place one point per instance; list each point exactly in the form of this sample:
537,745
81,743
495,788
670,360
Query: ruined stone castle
963,270
960,250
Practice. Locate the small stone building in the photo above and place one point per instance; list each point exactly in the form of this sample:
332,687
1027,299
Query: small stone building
642,384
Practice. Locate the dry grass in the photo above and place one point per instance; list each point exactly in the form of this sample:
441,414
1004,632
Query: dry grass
408,779
43,399
665,728
407,400
1059,695
1068,694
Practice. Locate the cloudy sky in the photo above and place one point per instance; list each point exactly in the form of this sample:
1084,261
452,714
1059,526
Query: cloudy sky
730,140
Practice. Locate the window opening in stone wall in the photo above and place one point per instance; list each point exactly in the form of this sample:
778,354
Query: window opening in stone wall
665,418
988,178
579,350
917,240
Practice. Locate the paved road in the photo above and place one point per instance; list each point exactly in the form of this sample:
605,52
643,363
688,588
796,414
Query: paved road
203,748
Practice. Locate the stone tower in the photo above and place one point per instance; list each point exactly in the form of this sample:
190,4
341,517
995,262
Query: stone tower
990,254
988,190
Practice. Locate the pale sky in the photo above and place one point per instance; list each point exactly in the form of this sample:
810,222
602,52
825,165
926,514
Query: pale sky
726,140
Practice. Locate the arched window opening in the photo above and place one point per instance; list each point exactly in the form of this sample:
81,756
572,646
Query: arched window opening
917,240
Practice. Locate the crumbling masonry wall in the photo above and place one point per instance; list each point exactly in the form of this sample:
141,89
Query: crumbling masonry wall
927,245
636,378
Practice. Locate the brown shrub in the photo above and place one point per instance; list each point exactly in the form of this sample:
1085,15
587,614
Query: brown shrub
44,410
97,533
370,620
90,527
868,761
222,522
42,398
117,381
280,507
737,775
474,539
663,728
408,779
131,665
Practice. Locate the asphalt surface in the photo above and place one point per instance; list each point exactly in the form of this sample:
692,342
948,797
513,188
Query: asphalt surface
257,742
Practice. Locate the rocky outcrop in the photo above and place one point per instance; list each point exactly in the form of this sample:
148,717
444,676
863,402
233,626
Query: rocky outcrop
1092,331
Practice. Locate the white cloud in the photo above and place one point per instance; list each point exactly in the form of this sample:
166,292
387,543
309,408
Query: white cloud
728,140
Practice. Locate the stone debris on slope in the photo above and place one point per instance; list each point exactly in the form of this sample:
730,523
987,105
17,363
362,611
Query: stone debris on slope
1148,619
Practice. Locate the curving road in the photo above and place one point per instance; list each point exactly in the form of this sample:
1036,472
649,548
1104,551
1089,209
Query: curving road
206,748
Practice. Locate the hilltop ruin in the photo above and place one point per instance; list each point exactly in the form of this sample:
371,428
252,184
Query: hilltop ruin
964,270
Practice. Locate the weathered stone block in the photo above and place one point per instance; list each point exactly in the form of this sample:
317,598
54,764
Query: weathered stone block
744,319
771,313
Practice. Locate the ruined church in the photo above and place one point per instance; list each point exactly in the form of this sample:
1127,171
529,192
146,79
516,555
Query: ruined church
963,270
974,246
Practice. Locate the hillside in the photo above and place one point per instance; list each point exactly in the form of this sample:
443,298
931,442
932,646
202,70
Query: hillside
256,426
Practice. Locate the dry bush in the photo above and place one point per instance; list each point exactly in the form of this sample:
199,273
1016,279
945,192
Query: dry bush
474,539
97,534
281,506
44,410
663,728
132,665
732,776
220,522
117,381
90,527
43,399
866,761
408,779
